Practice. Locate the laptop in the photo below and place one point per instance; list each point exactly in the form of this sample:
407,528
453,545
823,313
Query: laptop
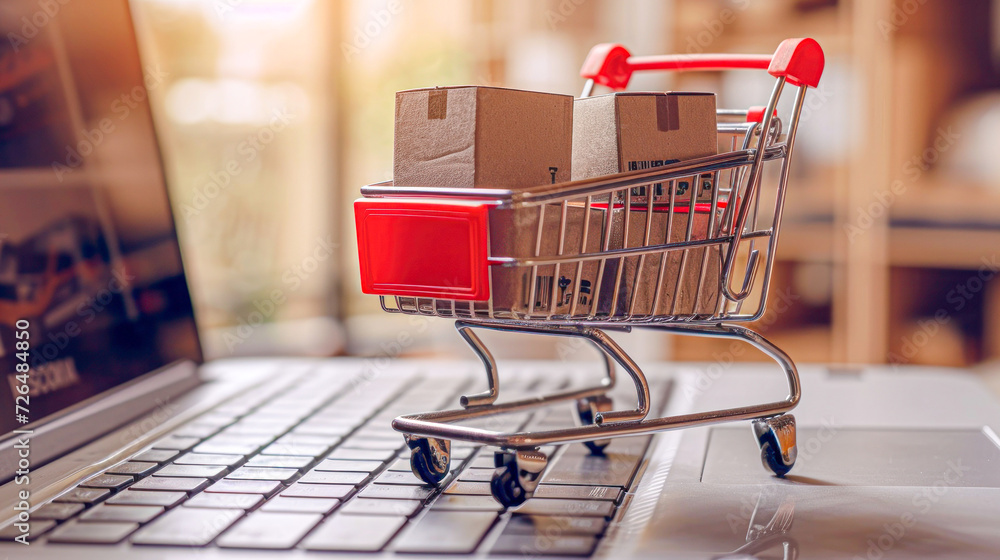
121,442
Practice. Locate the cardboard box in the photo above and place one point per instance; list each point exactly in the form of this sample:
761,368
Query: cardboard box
513,233
629,131
639,282
471,136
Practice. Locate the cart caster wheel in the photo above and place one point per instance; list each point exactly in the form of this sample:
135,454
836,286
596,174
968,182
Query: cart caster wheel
516,476
430,458
587,410
776,437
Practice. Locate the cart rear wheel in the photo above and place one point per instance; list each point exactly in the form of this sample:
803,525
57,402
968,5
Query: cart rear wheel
516,476
587,409
776,437
430,458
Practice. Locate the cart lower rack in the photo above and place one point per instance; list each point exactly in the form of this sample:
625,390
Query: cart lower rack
579,258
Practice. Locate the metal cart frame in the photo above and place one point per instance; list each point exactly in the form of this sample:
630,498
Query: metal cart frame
733,213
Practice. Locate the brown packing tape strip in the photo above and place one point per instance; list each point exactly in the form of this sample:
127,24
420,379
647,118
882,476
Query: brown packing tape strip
437,104
667,113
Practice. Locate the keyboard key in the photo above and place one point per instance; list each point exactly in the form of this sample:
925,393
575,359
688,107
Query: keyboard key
399,477
103,532
573,508
187,526
555,525
325,430
483,461
140,498
156,455
124,514
262,473
348,466
227,448
280,461
192,471
381,455
333,477
209,459
609,493
200,431
396,492
354,533
57,512
225,501
366,506
297,450
172,484
289,504
374,444
36,528
263,487
113,482
401,465
304,439
177,442
264,529
469,488
133,468
580,468
447,532
84,495
456,502
544,545
476,475
339,491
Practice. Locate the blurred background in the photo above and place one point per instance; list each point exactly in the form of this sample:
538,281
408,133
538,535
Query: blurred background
273,113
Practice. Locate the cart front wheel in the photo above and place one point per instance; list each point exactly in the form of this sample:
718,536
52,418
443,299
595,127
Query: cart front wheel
516,476
587,410
430,458
776,437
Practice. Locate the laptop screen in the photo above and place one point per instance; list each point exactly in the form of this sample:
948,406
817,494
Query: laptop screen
92,291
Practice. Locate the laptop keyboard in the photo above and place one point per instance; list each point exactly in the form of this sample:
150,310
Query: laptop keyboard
316,465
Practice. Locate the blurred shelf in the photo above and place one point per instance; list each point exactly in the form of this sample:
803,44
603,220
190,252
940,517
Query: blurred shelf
933,247
806,242
939,224
937,202
809,343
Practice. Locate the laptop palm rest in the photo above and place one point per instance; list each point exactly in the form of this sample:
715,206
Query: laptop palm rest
829,456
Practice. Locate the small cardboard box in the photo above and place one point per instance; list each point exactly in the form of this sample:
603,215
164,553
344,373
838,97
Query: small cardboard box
472,136
629,131
515,233
640,281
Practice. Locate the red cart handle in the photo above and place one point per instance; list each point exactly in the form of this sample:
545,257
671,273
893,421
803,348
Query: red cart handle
799,61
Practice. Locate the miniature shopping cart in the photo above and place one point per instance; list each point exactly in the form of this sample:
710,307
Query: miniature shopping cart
685,248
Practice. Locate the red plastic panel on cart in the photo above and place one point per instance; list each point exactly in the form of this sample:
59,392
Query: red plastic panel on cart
423,249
